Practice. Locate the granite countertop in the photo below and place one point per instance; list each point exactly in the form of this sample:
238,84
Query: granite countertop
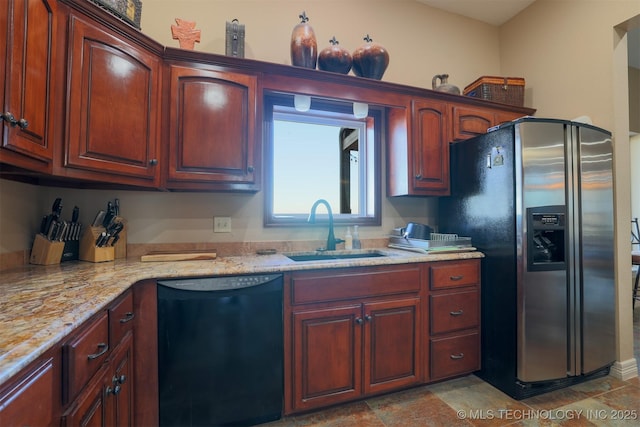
40,305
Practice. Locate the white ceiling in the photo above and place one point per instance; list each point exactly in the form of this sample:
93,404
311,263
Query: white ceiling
495,12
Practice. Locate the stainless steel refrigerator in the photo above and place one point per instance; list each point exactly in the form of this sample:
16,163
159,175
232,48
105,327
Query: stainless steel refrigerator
536,197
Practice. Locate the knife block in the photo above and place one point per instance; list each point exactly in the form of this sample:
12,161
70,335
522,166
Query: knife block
88,249
46,252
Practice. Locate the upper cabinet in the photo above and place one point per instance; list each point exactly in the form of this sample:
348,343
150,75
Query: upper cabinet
430,150
112,107
29,81
418,149
470,121
212,126
88,99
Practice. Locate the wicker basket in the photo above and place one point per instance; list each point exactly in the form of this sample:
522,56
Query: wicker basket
506,90
129,11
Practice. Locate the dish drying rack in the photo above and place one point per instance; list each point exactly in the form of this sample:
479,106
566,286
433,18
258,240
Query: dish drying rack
437,243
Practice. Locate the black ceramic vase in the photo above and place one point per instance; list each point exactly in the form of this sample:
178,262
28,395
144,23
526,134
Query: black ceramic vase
304,48
334,58
370,60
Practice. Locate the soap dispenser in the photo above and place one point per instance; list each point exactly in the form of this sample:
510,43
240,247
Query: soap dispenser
348,239
356,238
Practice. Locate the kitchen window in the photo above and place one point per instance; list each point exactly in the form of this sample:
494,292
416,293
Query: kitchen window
323,153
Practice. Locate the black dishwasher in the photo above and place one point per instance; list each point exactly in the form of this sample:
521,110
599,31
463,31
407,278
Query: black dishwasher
220,350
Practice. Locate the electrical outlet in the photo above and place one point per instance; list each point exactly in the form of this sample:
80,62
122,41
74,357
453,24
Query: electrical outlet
221,224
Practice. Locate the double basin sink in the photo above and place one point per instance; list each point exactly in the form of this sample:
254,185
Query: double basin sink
333,255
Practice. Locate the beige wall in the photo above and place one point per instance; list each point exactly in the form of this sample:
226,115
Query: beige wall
565,51
422,41
634,101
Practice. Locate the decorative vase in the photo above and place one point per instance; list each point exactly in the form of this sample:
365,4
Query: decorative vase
334,58
370,60
444,86
304,48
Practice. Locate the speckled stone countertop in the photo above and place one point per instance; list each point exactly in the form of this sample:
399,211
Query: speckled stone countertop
40,305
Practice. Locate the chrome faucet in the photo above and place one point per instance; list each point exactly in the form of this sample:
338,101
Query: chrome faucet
331,238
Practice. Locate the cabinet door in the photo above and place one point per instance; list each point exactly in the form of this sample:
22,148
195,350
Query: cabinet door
112,106
327,356
469,122
212,130
391,344
121,386
29,81
89,409
31,401
430,138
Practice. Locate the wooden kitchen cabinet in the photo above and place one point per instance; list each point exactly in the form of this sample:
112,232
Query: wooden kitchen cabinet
454,318
30,82
112,105
352,333
327,356
430,147
391,350
418,149
469,121
213,131
98,380
33,399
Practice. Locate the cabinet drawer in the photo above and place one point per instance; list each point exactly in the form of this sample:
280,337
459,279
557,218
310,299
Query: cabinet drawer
84,355
454,274
333,285
120,319
455,356
455,311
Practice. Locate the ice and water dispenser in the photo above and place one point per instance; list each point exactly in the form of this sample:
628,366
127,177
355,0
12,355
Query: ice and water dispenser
546,227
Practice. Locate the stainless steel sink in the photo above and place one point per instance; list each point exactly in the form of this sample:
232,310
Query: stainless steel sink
322,256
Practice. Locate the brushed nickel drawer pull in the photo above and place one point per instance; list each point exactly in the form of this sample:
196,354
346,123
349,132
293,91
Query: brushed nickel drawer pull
128,316
455,278
456,313
457,356
103,349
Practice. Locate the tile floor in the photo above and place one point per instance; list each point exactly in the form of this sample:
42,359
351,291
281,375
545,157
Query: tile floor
469,401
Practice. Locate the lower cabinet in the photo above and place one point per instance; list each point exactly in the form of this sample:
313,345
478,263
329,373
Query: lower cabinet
344,350
33,399
107,398
98,369
454,311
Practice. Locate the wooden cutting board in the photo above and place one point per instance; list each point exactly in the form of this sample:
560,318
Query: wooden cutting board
179,256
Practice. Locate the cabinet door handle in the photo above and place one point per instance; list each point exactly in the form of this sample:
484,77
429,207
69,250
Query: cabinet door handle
368,318
128,316
119,380
418,176
250,169
456,313
102,349
153,162
9,118
115,390
455,278
457,356
359,320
